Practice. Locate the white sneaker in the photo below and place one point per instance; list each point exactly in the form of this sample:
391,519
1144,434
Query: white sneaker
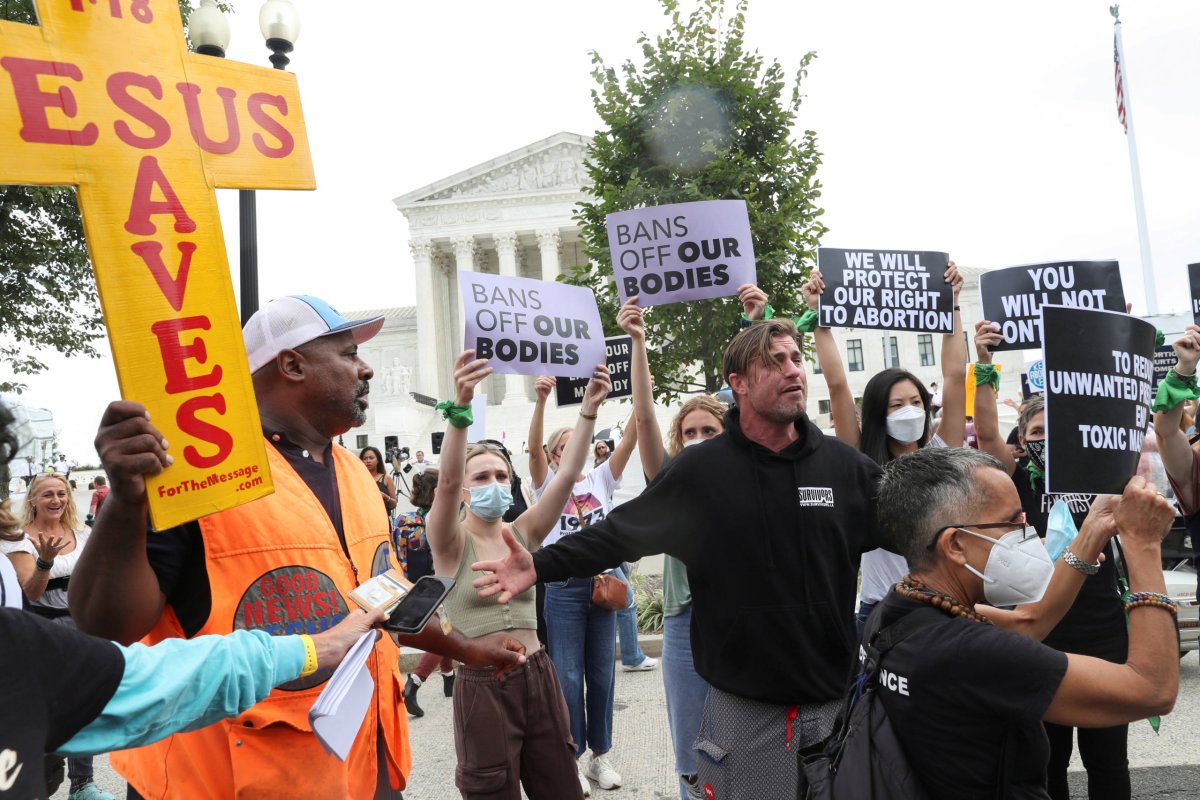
602,773
647,664
583,782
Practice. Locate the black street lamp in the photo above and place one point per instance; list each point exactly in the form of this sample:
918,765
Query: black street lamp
209,31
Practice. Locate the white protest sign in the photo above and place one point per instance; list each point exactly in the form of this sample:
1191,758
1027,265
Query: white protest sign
530,327
683,251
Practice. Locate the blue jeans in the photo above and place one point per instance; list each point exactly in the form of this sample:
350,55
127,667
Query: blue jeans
583,647
631,652
685,692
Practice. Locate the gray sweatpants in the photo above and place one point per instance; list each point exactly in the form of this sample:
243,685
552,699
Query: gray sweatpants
747,749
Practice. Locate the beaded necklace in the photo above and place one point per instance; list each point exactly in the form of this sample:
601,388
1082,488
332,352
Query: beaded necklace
916,589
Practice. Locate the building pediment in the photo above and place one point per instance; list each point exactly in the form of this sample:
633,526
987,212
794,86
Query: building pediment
552,165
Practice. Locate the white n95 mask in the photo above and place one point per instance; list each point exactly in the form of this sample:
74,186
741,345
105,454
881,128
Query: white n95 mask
906,424
1017,571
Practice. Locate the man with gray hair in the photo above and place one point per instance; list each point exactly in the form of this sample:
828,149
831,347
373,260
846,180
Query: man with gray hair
955,674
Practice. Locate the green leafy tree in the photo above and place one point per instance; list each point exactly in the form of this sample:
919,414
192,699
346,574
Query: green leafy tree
702,118
48,297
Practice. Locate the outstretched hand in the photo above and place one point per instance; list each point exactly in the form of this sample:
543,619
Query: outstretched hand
333,644
814,289
1187,350
597,389
753,300
955,279
987,336
130,448
508,577
631,321
468,373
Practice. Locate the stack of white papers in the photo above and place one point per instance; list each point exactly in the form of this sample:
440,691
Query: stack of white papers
339,711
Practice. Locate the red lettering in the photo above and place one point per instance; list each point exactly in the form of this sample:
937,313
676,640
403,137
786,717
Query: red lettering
297,584
255,105
281,585
175,353
193,426
190,92
310,578
274,610
298,605
143,207
171,288
32,102
321,604
118,91
252,613
264,587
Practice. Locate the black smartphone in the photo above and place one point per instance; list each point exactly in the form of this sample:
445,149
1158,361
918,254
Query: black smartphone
419,604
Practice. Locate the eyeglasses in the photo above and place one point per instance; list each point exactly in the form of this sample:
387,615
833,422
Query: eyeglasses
1012,526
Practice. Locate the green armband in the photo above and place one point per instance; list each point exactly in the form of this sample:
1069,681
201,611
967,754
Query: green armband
458,416
1160,338
768,313
807,321
987,374
1173,390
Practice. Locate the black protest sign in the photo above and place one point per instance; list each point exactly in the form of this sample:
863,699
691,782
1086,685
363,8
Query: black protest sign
1194,280
1164,359
1013,297
890,290
1099,366
570,391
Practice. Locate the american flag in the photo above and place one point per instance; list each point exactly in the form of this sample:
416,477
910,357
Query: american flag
1120,86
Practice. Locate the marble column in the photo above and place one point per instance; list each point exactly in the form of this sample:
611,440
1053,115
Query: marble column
428,346
464,261
449,344
549,243
506,250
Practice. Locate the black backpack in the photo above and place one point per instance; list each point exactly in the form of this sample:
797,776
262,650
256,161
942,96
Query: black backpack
863,758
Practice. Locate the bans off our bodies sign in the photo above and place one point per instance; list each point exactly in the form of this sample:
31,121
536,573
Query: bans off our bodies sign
684,251
1099,368
891,290
105,96
1013,297
529,327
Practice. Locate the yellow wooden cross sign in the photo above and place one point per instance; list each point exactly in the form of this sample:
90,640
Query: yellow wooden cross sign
105,96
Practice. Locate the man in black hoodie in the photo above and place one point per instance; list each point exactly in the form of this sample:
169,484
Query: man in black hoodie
770,518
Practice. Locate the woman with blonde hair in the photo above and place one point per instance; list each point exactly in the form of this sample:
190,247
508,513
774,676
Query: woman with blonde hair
44,552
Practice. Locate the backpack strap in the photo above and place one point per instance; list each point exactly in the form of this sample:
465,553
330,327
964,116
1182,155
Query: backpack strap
886,638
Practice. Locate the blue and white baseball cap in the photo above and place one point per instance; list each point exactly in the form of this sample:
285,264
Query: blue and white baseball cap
288,322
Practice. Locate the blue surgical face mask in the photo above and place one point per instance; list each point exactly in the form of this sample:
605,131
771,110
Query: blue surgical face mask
490,500
1060,529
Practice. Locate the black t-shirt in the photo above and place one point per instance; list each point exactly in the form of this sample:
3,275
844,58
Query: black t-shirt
56,681
177,555
954,688
1094,625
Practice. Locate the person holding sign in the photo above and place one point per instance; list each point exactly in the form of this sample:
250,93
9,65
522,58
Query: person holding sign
580,634
503,728
1181,460
966,685
767,630
284,563
699,419
896,419
1094,625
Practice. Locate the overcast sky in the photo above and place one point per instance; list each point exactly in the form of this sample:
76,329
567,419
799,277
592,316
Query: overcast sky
985,130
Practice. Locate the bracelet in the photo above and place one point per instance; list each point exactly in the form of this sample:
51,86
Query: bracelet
1173,390
1079,564
987,375
458,416
44,566
1152,599
1181,376
807,321
589,416
310,656
958,308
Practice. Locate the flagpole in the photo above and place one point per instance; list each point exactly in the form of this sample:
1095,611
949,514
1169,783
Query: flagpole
1136,173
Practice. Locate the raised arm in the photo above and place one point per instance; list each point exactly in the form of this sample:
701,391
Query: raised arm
1095,693
441,523
540,518
841,399
620,456
1172,442
646,427
537,456
987,421
954,369
114,591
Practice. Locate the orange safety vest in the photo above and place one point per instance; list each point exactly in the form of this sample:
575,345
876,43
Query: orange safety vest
276,564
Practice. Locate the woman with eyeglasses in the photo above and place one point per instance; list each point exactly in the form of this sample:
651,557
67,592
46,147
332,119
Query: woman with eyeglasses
516,730
1095,624
965,694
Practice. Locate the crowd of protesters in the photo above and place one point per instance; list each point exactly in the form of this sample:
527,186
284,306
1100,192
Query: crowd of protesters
772,530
